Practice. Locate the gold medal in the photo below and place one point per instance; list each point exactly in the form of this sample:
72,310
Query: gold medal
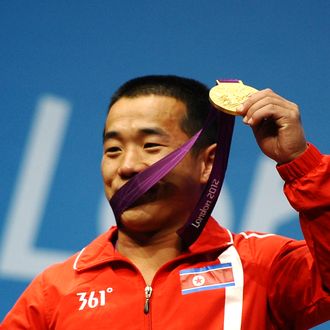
229,94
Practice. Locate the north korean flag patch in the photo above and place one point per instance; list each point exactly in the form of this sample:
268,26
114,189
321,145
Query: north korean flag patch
206,278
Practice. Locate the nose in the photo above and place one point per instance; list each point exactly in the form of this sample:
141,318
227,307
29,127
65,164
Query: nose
131,164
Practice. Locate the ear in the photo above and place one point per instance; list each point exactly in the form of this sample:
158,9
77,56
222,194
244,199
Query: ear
208,156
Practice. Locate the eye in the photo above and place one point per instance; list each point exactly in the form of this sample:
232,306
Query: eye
152,147
113,151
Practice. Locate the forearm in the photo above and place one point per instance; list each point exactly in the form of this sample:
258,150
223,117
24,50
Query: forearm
307,187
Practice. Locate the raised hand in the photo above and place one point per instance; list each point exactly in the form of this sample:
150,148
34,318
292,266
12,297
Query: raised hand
276,125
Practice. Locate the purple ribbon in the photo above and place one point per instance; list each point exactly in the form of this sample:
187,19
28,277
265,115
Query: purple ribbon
144,180
228,80
197,221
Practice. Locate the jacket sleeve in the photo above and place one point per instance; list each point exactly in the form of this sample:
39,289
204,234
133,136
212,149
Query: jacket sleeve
29,310
300,277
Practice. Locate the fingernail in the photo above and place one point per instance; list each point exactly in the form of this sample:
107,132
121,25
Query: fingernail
250,121
240,108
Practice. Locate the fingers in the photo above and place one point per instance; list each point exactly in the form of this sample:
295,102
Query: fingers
266,104
276,125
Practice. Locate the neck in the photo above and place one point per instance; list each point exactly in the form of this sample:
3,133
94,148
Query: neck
149,251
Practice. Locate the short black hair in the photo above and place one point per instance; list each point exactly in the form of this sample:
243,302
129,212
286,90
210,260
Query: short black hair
190,92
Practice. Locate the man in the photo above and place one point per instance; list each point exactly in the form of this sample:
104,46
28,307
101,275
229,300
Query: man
141,275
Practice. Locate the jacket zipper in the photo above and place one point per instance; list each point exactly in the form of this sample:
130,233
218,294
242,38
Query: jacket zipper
148,292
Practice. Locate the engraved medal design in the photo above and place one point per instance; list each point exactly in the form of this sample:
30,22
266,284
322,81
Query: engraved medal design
229,94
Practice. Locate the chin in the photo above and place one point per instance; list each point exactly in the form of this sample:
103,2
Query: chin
138,219
151,218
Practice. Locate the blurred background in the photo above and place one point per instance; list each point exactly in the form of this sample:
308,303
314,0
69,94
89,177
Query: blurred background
60,62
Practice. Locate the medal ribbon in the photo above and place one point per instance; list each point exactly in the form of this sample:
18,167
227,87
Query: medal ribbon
144,180
228,80
197,220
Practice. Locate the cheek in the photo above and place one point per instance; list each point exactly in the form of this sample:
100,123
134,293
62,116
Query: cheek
188,168
107,171
185,178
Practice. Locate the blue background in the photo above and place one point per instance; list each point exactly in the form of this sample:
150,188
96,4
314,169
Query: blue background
78,52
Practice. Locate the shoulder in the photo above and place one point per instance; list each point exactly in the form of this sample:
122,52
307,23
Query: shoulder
64,274
263,248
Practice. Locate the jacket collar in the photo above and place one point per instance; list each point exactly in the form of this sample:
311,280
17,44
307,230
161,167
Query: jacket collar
102,251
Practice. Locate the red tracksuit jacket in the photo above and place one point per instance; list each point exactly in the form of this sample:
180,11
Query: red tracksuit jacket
224,281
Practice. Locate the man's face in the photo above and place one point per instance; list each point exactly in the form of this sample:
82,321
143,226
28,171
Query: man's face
138,132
